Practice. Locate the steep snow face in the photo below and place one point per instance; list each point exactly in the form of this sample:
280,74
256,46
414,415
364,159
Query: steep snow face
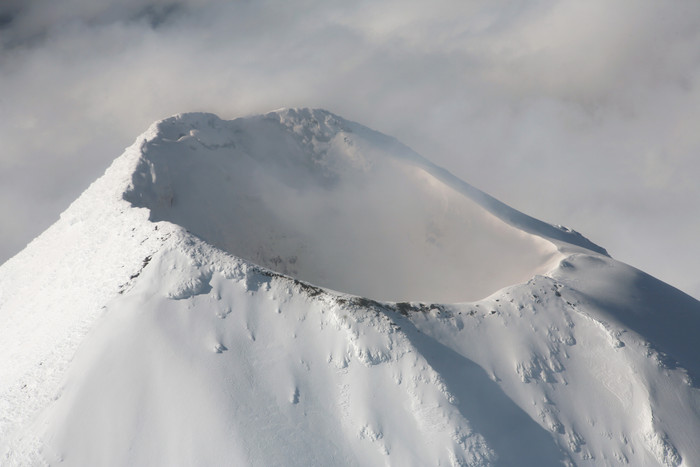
308,194
53,291
207,359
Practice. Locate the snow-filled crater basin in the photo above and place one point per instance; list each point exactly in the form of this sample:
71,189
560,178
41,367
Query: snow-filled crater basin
330,202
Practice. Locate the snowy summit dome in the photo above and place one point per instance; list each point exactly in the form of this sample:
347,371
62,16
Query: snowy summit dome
309,194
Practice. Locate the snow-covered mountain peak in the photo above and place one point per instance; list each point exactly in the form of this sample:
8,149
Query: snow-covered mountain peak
176,315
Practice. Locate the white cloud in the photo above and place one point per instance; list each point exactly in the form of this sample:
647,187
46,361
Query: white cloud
580,113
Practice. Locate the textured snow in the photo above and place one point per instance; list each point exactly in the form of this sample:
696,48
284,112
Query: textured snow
220,297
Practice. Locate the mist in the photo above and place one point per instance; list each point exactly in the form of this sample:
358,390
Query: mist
581,114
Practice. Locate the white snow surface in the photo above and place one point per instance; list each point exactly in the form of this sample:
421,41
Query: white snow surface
296,289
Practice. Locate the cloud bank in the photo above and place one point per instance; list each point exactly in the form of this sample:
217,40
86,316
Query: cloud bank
579,113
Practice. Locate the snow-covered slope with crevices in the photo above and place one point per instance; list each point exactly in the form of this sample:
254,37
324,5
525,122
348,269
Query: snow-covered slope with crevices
208,360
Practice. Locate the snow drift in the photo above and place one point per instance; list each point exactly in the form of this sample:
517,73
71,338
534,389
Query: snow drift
296,289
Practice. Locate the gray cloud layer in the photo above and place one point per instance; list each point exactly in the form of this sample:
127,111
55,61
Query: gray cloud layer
579,113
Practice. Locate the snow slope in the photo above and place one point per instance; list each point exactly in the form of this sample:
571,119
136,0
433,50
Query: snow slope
296,289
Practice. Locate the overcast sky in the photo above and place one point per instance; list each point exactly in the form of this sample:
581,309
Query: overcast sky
585,114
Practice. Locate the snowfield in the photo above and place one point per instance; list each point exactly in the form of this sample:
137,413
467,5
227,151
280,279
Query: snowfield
297,289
